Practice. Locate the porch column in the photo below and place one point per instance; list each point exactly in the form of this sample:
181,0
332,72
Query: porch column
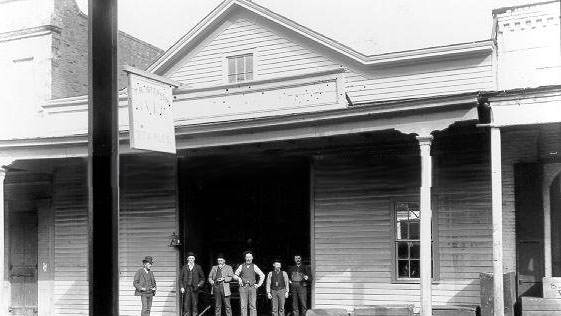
550,171
497,217
426,225
3,287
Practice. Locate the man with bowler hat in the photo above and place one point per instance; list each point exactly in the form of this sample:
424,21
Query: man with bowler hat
220,277
145,285
192,280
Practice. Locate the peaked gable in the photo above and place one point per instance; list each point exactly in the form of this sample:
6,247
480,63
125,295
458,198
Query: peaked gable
276,53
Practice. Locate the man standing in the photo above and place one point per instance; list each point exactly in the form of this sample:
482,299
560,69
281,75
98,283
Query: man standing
300,276
247,276
277,288
145,285
219,278
192,280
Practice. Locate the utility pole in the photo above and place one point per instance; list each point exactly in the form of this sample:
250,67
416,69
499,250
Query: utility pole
103,160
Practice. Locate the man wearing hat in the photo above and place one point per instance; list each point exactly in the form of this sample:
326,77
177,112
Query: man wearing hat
145,285
192,280
277,288
220,277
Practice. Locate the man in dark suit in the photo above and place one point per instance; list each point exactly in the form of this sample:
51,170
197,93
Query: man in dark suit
145,285
300,276
192,280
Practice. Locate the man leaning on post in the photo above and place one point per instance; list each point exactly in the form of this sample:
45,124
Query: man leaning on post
145,285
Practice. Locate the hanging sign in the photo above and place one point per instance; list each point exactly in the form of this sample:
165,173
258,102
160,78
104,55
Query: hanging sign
150,111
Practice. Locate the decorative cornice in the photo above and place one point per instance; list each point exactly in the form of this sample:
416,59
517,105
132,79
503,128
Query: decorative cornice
29,32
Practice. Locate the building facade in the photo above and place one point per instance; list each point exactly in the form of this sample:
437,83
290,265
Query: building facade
400,177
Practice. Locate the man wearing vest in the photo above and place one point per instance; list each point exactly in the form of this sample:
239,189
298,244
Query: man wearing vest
145,285
247,276
192,280
219,278
300,276
277,288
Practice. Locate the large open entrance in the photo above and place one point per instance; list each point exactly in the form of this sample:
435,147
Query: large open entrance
230,204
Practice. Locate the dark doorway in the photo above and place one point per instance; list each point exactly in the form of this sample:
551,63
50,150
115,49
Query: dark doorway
529,229
22,267
233,204
555,200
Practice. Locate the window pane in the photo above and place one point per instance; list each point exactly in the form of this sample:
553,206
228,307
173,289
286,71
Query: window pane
414,250
415,269
241,77
239,65
231,66
249,76
403,268
402,228
231,78
414,229
402,250
249,63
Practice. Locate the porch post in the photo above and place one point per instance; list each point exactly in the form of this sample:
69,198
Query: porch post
3,286
550,171
426,225
497,215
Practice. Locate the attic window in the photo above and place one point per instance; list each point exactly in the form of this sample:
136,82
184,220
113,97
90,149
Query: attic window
240,68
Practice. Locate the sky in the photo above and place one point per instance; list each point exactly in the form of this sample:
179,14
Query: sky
368,26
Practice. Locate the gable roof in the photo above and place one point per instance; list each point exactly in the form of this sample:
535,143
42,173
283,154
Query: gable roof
224,9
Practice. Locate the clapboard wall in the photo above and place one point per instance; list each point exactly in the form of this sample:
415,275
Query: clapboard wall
353,197
278,53
147,218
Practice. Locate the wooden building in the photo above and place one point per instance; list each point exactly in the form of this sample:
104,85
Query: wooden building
401,177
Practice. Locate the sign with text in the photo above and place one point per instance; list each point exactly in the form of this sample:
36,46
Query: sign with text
150,112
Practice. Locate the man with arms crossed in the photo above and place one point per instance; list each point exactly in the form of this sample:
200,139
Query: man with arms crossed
145,285
277,288
219,278
247,274
300,276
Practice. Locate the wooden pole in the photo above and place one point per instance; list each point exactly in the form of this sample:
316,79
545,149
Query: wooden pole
426,225
103,162
548,272
497,215
3,287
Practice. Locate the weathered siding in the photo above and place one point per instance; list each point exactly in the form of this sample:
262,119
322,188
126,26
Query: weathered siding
147,218
352,223
70,202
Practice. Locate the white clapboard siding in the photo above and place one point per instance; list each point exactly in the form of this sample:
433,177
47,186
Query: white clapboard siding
352,224
147,218
279,53
274,54
421,79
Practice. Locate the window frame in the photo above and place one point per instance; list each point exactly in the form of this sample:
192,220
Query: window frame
393,241
241,54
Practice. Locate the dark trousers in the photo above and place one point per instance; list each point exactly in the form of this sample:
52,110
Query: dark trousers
220,299
190,302
299,295
146,304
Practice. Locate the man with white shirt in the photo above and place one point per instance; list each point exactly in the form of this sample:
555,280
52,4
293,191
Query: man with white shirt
247,274
192,280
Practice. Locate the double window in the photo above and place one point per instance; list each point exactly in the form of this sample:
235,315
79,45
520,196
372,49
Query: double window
240,68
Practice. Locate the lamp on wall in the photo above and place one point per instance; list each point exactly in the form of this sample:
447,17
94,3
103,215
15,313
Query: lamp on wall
174,240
